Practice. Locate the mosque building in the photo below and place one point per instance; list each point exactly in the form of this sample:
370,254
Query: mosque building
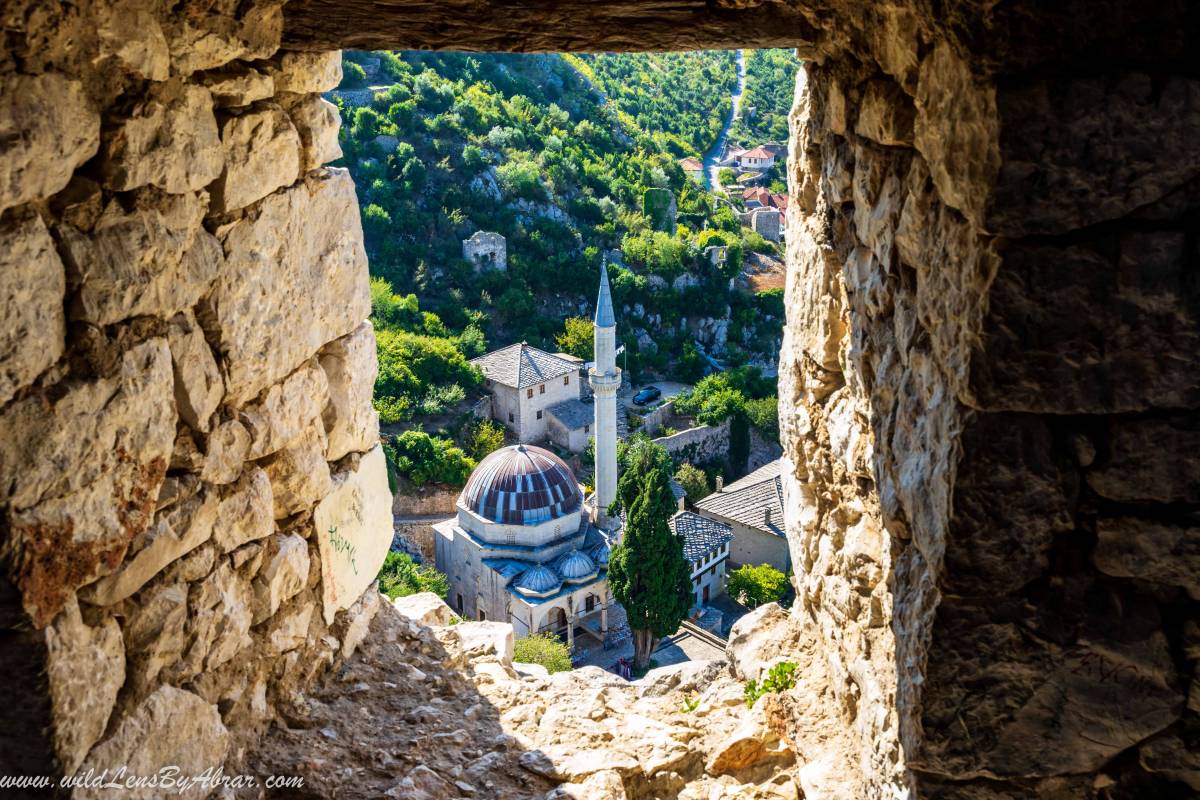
524,547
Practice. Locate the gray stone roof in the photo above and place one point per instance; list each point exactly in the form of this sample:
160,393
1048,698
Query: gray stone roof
750,500
520,366
700,535
573,414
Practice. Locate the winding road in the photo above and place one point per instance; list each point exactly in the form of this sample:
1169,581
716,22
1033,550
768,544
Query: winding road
718,149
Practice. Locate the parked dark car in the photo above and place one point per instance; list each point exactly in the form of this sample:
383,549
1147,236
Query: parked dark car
647,395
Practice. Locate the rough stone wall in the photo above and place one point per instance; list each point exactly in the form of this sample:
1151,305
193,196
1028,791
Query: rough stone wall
185,383
989,402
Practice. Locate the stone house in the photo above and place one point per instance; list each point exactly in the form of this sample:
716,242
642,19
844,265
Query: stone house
753,508
706,548
759,159
524,383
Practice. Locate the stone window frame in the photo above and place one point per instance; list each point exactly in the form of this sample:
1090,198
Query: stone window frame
529,393
541,388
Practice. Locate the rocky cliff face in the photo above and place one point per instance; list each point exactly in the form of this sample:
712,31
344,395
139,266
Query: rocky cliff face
991,298
187,445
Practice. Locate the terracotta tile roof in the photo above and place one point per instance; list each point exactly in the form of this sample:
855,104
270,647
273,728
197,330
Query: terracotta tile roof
766,198
700,535
520,365
751,500
691,164
758,152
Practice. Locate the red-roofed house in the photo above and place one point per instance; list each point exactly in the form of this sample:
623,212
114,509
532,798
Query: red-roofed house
758,197
760,158
693,168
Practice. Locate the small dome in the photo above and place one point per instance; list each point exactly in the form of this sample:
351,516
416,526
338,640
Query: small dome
575,567
538,581
522,485
599,555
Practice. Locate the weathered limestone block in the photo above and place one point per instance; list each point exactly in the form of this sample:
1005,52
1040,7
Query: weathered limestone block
299,474
350,366
878,193
176,532
318,122
885,115
1150,551
289,630
241,86
198,382
82,475
424,608
47,129
155,633
284,573
203,35
485,639
354,531
153,259
82,696
355,624
306,73
957,131
1012,496
219,618
1172,756
751,743
1099,149
226,450
285,411
171,726
295,279
32,285
758,638
246,513
129,32
169,140
262,153
1150,460
1051,707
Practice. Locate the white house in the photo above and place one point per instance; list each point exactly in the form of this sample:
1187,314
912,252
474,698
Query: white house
706,548
525,382
758,159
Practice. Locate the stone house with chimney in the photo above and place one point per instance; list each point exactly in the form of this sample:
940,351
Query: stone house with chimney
525,383
753,509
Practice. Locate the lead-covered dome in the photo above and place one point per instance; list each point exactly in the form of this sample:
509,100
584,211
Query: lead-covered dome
522,485
575,567
538,581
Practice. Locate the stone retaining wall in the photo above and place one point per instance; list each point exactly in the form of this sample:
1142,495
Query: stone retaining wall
699,445
190,477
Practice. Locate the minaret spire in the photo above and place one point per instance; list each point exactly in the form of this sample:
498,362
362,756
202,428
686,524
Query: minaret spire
605,379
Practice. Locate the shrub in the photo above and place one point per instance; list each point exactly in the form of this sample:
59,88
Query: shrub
544,649
693,481
754,585
392,410
401,576
428,459
577,338
781,678
488,437
764,415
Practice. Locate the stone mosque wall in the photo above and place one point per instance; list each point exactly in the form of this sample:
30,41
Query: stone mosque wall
189,461
988,399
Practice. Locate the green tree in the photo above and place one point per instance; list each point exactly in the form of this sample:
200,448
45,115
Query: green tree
694,482
647,572
754,585
428,459
545,649
577,338
400,576
487,438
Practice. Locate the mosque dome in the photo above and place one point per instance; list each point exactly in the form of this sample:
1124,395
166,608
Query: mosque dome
538,581
575,567
599,555
522,485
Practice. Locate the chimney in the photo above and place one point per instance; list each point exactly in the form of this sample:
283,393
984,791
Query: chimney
720,482
682,502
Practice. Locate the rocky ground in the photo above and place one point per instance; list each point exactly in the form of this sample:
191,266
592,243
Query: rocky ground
431,711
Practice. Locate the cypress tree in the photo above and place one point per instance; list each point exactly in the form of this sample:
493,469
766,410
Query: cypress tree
647,572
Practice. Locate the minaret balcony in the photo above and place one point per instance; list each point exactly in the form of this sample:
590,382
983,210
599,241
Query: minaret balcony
604,382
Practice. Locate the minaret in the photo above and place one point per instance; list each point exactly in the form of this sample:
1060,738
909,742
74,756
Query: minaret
605,380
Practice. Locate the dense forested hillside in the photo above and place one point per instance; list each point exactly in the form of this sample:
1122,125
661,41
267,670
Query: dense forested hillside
442,145
770,85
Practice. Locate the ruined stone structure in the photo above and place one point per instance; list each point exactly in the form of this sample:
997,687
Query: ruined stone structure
988,389
194,497
486,251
